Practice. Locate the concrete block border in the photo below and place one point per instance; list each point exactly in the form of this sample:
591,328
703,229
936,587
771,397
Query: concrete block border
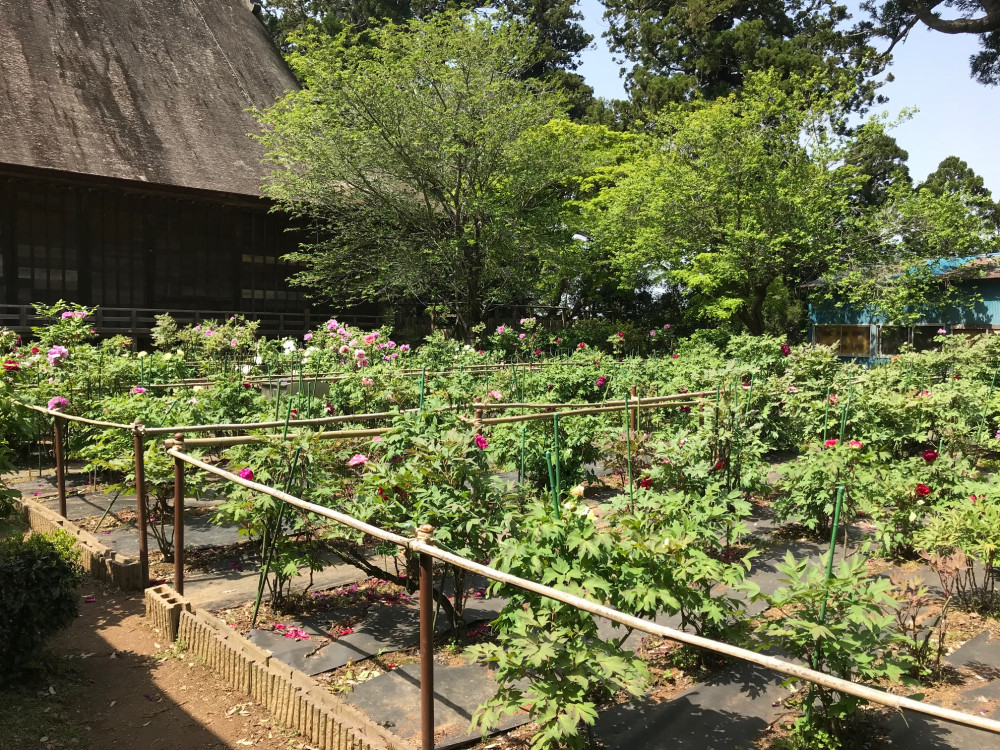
163,610
96,558
293,698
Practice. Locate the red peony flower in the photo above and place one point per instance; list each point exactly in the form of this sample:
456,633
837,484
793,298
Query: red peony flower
930,456
831,442
786,349
922,490
645,483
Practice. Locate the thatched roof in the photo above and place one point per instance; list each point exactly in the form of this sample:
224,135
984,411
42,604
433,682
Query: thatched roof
150,90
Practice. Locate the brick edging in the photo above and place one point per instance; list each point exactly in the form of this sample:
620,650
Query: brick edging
97,559
293,698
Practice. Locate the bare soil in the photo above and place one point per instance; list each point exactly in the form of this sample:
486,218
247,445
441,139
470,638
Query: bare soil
111,681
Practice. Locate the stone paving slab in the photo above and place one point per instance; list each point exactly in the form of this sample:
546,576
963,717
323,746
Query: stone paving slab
980,651
726,713
911,731
393,700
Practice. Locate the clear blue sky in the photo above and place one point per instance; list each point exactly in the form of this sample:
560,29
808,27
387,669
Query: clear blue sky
956,115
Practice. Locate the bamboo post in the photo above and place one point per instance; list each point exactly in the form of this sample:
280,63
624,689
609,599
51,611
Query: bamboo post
141,510
57,447
633,420
179,516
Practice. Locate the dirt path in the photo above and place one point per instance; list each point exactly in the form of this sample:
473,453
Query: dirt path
114,684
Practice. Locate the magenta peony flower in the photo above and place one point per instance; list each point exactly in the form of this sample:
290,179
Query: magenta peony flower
481,442
786,349
831,442
246,473
57,402
137,390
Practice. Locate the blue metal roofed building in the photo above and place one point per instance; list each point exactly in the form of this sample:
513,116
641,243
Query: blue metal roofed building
865,335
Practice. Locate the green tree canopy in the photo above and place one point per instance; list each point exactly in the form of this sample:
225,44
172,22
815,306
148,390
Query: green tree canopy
559,35
681,48
955,176
413,161
880,161
735,201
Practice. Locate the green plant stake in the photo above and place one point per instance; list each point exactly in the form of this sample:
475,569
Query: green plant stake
826,411
521,475
423,376
552,483
269,553
628,448
986,406
833,542
555,443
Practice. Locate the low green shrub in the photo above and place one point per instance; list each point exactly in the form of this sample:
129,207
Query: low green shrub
39,576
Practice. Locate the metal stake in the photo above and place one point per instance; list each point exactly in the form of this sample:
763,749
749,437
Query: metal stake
57,444
426,534
179,516
140,498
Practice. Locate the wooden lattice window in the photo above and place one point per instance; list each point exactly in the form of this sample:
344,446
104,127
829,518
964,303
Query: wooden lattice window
851,341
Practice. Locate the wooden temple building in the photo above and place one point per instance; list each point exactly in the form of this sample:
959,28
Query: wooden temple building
127,175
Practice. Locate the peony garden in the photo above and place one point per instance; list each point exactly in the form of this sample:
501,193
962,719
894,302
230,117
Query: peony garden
772,497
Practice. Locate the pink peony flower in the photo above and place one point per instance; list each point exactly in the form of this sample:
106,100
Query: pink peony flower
359,353
57,402
358,459
855,444
367,382
652,333
246,473
481,442
234,343
495,395
676,356
601,381
344,349
942,331
831,442
520,335
137,390
558,340
370,338
581,345
834,400
666,327
404,348
501,329
307,337
56,354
